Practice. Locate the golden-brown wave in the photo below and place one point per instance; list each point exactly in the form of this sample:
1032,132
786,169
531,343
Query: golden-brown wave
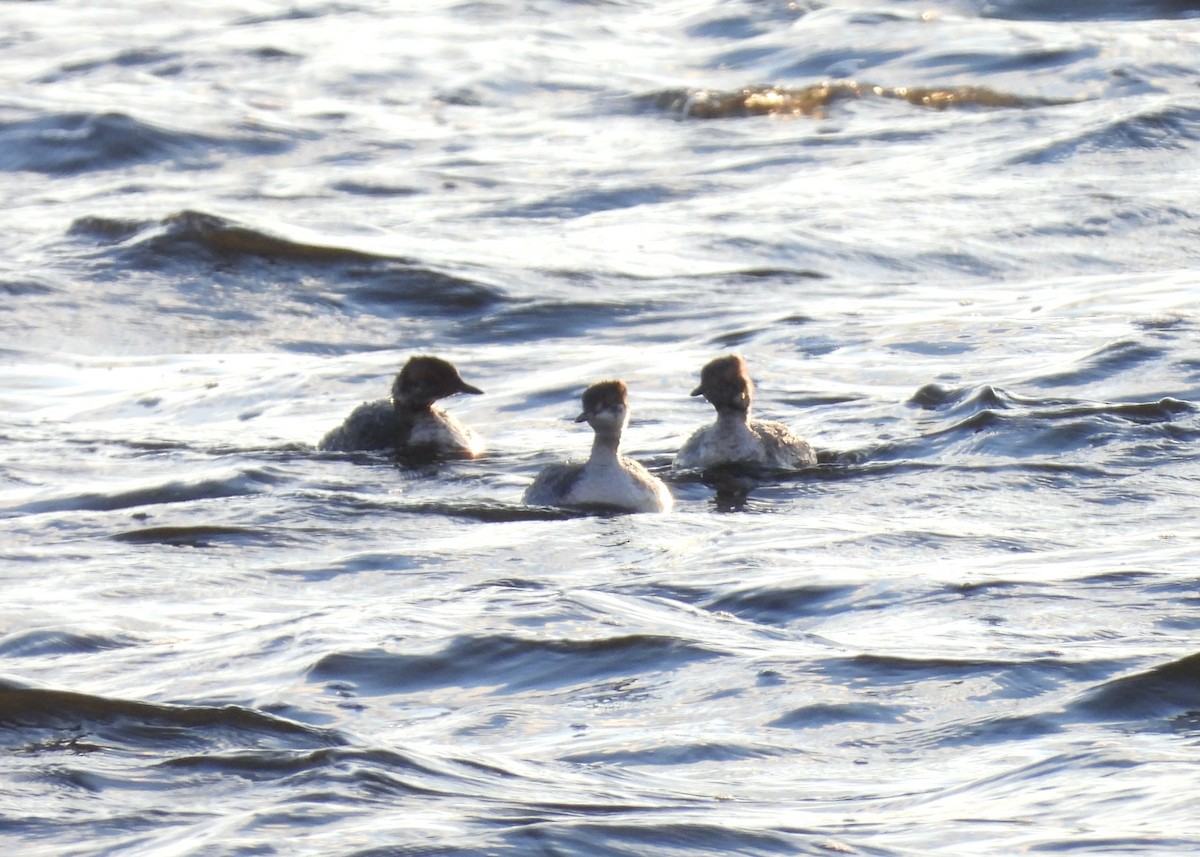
813,100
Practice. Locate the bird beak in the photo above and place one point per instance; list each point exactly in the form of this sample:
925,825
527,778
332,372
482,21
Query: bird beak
467,388
583,417
699,391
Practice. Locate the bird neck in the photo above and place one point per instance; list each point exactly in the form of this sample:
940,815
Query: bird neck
407,408
733,418
606,446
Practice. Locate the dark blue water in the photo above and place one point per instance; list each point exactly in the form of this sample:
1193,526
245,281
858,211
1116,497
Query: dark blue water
956,245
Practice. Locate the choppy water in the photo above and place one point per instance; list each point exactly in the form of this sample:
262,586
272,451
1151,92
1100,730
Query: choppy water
971,279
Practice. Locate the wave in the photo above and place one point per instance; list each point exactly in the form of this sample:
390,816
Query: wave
554,319
489,512
987,399
373,281
1025,426
895,668
368,187
664,835
591,200
958,399
76,142
1166,689
205,535
1149,697
382,773
1088,10
38,642
733,24
187,232
24,707
131,58
814,100
484,512
683,753
1154,128
1103,363
781,605
23,287
820,715
508,662
239,484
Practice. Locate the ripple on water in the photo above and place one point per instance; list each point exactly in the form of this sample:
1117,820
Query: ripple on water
536,320
24,287
58,143
1088,10
999,422
508,662
783,605
38,642
26,709
584,200
1104,363
241,483
372,282
1171,688
821,714
1152,128
207,535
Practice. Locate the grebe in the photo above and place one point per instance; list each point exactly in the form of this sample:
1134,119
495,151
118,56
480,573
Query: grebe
735,438
409,422
607,480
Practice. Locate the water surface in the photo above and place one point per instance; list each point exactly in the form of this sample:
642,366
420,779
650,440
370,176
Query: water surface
956,244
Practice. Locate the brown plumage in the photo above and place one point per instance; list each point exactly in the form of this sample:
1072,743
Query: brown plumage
409,422
735,438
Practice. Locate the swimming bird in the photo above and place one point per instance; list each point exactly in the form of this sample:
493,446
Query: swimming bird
735,438
607,480
409,422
